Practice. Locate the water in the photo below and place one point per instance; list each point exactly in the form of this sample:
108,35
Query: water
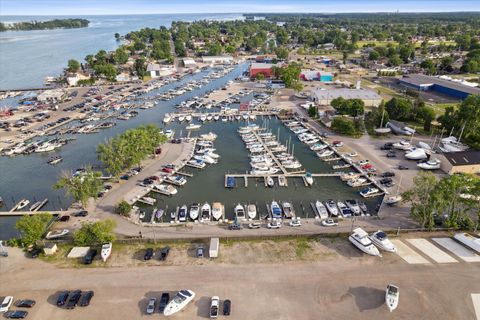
27,57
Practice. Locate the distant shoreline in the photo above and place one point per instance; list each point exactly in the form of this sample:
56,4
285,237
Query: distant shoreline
72,23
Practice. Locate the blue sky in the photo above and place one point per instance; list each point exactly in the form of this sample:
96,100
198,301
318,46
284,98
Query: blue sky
87,7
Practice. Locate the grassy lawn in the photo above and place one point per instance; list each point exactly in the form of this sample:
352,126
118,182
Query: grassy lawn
439,108
376,43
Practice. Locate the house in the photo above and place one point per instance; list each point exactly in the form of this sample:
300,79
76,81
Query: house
50,249
189,63
155,70
460,162
326,46
72,79
53,95
316,75
261,68
325,97
217,59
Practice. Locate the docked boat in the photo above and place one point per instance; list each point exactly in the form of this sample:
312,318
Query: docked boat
282,181
357,182
288,210
179,301
181,118
193,126
275,210
468,240
321,209
251,211
381,241
167,189
148,200
331,207
262,172
205,212
167,118
106,251
308,179
194,211
54,160
416,154
432,164
359,238
182,214
325,154
38,205
176,180
344,210
239,212
369,192
188,117
55,234
231,182
270,182
353,205
217,210
158,213
392,296
392,200
22,204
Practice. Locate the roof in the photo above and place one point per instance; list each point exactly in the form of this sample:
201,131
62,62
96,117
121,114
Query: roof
423,80
153,67
346,94
262,65
463,158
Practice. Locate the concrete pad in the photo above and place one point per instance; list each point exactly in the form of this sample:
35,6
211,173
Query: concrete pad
432,251
459,250
408,254
476,304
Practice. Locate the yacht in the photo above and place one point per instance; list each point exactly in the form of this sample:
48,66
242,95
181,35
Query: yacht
331,207
216,117
148,200
106,251
194,211
416,154
368,192
282,181
359,238
262,172
321,209
217,210
308,179
55,234
182,214
239,212
203,118
181,118
468,240
275,210
177,180
179,301
381,241
251,211
205,212
325,153
392,295
344,210
270,182
432,164
353,205
357,182
188,117
288,210
167,189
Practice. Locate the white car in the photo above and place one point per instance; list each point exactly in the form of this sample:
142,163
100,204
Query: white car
6,303
352,154
254,225
295,223
151,306
329,223
274,225
363,162
214,307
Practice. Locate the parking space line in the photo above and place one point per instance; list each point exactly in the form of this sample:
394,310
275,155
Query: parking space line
476,304
408,254
431,251
457,249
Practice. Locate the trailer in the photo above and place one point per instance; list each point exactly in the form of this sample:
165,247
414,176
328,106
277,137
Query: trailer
214,248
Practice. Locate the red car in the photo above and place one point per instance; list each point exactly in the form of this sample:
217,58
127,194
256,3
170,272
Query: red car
167,170
154,178
367,166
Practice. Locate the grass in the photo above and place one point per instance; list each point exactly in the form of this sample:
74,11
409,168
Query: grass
302,247
376,43
439,108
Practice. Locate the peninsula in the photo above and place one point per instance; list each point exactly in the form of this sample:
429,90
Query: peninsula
44,25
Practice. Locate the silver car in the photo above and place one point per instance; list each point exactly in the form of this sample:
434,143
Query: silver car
151,306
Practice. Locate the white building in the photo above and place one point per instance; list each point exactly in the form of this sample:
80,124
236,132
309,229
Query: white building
217,59
155,70
53,95
189,63
325,97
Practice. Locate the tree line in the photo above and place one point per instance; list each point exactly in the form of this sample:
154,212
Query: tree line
45,25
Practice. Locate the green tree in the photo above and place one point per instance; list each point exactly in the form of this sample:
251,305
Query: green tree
395,60
117,36
312,111
373,55
344,126
281,52
123,208
120,56
399,109
33,227
73,65
141,67
428,115
95,233
260,76
82,186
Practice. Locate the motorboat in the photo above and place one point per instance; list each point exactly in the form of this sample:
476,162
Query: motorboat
106,251
432,164
369,192
416,154
381,241
288,210
392,200
22,204
321,209
200,164
359,238
177,180
402,145
193,126
54,160
331,207
231,182
282,181
270,182
262,172
194,211
148,200
468,240
344,210
308,179
209,136
239,212
205,212
216,117
182,214
217,210
166,189
325,153
179,301
205,158
275,210
392,295
167,118
55,234
357,182
181,118
353,205
158,213
251,211
188,117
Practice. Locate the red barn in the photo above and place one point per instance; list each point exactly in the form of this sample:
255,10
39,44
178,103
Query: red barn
263,68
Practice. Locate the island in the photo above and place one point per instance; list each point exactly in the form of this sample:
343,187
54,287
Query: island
44,25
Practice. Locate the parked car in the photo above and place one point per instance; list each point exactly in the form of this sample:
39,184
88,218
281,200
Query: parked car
148,254
295,223
86,298
274,225
27,303
227,307
167,170
88,259
387,146
164,299
214,307
16,314
64,218
34,252
164,253
386,180
82,213
235,226
6,303
62,298
151,306
329,223
400,167
391,154
337,144
200,252
73,299
254,225
387,174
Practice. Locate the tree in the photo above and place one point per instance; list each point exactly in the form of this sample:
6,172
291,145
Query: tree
82,186
73,65
33,227
281,52
141,67
120,56
117,36
290,75
399,109
395,60
428,115
260,76
312,111
345,126
123,208
344,56
374,55
95,233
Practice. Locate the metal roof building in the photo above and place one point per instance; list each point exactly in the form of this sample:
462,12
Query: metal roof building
463,161
325,97
426,83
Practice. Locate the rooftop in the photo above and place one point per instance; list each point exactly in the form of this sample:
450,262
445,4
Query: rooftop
346,94
423,80
463,158
261,65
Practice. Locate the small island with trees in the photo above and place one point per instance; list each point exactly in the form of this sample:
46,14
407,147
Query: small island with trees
45,25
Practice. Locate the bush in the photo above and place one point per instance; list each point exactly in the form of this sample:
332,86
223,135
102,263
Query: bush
345,126
124,209
95,233
33,227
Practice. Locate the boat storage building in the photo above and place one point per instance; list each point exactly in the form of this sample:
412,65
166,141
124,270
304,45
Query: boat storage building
460,162
455,89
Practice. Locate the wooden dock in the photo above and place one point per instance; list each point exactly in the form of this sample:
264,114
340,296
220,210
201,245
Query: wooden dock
186,174
270,153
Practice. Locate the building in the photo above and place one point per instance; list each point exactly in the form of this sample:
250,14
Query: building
217,59
54,95
454,89
155,70
261,68
460,162
325,97
189,63
316,75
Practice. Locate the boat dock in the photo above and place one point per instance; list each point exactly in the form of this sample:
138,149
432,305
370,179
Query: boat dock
186,174
270,153
29,213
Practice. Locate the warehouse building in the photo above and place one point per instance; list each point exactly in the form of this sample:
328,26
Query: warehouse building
454,89
261,68
315,75
217,59
460,162
325,97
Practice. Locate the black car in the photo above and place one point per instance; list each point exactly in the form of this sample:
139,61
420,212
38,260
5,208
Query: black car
386,180
164,253
148,254
86,297
16,314
88,259
388,174
62,298
387,146
227,307
234,226
82,213
164,299
34,252
64,218
25,303
73,300
400,167
391,154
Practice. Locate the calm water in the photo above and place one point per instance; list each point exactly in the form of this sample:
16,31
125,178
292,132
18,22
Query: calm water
27,57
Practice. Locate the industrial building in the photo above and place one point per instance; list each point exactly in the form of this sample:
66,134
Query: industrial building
316,75
325,97
451,88
460,162
217,59
261,68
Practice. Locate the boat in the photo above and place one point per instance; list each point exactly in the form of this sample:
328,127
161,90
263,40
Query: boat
166,189
468,240
205,212
54,160
38,205
331,207
167,118
402,145
288,210
392,295
416,154
106,251
381,241
282,181
182,214
179,301
251,211
275,210
353,205
159,213
357,182
22,204
262,172
177,180
193,126
344,210
359,238
432,164
148,200
308,179
239,212
217,210
188,117
369,192
325,153
194,211
321,209
451,144
270,182
392,200
55,234
181,118
216,117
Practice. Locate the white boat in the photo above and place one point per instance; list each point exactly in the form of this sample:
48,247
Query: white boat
369,192
321,209
325,153
55,234
167,118
353,205
188,117
261,172
179,301
181,118
205,212
203,118
392,295
393,200
270,182
451,144
22,204
288,210
148,200
356,182
251,211
193,126
282,181
275,210
205,158
469,240
402,145
106,251
381,241
239,212
217,210
55,160
432,164
177,180
308,178
166,189
331,207
216,117
359,238
416,154
194,211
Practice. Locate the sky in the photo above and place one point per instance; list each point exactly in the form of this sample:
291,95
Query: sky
102,7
